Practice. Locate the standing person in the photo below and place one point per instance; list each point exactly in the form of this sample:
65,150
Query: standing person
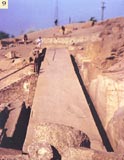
36,62
56,22
25,38
63,29
39,42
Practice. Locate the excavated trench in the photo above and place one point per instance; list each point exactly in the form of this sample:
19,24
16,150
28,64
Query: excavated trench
13,134
15,109
96,118
15,112
16,139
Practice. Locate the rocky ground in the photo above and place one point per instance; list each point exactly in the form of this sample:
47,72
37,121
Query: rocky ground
99,53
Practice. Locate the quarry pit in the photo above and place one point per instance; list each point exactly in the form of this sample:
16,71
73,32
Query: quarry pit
74,108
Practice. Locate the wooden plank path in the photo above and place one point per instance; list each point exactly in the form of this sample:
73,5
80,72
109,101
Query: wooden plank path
59,98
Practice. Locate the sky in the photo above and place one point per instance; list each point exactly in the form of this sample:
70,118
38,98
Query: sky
29,15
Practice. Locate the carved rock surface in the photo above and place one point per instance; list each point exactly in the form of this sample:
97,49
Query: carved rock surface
59,136
116,130
78,154
88,154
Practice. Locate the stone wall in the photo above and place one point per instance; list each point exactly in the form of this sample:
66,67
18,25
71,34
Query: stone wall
108,97
71,40
22,90
107,94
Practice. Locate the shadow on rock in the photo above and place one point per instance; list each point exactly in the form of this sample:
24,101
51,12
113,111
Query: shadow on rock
56,155
17,140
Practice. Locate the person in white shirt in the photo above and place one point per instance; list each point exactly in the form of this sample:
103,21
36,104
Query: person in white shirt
39,42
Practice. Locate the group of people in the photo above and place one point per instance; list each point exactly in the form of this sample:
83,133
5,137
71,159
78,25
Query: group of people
37,56
62,27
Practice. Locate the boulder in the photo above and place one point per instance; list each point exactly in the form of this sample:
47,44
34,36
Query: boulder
19,62
59,136
115,29
11,54
40,151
